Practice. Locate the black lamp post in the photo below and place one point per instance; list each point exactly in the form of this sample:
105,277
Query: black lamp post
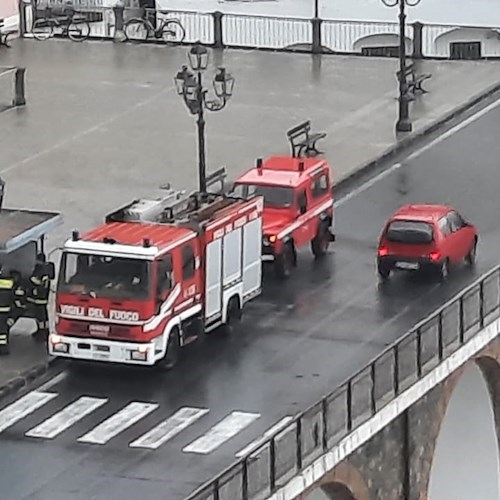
404,123
189,85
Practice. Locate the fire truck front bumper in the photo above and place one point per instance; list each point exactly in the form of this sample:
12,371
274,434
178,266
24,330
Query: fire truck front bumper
112,351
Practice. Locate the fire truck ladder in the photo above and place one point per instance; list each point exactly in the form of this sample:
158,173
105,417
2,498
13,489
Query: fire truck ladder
175,206
199,206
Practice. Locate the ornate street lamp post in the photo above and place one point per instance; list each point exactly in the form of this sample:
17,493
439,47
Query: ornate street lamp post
189,85
404,123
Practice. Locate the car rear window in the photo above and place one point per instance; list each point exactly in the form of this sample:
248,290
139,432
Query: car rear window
402,231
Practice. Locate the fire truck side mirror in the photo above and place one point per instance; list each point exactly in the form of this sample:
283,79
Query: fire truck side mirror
50,270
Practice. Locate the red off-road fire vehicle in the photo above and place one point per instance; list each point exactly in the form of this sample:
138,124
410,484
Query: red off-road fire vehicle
298,207
156,275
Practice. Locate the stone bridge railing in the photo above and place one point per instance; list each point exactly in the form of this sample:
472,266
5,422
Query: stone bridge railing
359,399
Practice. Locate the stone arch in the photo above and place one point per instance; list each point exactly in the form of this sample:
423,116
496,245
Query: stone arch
489,364
487,37
344,479
381,40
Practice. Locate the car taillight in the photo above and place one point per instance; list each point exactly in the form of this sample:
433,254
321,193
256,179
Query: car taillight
435,256
383,251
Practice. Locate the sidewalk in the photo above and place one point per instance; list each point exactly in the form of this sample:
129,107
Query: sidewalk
103,125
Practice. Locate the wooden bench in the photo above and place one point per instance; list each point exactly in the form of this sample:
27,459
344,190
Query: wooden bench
414,81
5,34
303,141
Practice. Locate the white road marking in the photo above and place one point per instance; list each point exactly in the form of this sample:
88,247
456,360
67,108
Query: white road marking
65,418
169,428
455,129
221,432
273,430
120,421
53,381
23,407
418,152
366,185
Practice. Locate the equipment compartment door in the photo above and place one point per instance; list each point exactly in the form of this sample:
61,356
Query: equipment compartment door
232,257
252,262
213,285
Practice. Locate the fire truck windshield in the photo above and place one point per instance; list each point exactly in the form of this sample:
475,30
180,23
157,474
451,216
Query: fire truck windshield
104,276
274,196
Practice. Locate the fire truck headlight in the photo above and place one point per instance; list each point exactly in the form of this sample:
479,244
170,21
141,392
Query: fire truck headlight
57,343
55,339
268,240
141,353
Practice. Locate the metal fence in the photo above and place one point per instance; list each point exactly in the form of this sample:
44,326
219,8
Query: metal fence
282,33
322,426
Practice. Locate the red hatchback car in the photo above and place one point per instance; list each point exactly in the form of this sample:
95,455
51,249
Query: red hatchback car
426,237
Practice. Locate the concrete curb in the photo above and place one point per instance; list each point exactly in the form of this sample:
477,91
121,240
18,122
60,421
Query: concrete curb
39,369
414,137
26,377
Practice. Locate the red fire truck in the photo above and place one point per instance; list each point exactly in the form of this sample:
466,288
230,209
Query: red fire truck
156,275
298,207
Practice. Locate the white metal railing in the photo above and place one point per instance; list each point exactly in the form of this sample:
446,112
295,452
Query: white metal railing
265,32
280,33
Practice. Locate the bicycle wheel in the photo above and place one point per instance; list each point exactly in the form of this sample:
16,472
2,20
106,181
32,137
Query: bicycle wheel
173,32
136,30
42,29
78,31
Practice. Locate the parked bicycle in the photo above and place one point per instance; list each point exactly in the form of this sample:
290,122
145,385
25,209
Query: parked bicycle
70,24
169,29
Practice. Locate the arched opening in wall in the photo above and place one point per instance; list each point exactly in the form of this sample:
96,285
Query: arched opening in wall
331,491
466,457
381,45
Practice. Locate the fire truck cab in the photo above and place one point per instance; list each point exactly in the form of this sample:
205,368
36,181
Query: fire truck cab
156,275
298,207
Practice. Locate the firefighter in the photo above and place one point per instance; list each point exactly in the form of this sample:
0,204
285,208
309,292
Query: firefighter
6,303
38,297
19,296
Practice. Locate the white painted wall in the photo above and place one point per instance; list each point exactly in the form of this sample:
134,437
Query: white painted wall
466,462
468,12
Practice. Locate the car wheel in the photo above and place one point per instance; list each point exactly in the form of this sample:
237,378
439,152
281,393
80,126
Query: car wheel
173,350
470,258
444,270
284,262
384,272
233,316
321,242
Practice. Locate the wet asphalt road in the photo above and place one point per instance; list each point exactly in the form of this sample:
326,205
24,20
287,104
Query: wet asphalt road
298,341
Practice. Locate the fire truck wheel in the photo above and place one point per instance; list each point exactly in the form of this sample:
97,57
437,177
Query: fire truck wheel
319,245
284,262
233,316
173,349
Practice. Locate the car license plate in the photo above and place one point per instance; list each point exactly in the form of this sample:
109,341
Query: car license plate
407,265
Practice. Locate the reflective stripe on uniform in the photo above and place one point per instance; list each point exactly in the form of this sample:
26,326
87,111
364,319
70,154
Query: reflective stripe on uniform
6,283
38,302
3,339
5,309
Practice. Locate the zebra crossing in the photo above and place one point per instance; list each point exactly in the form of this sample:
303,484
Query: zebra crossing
129,415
